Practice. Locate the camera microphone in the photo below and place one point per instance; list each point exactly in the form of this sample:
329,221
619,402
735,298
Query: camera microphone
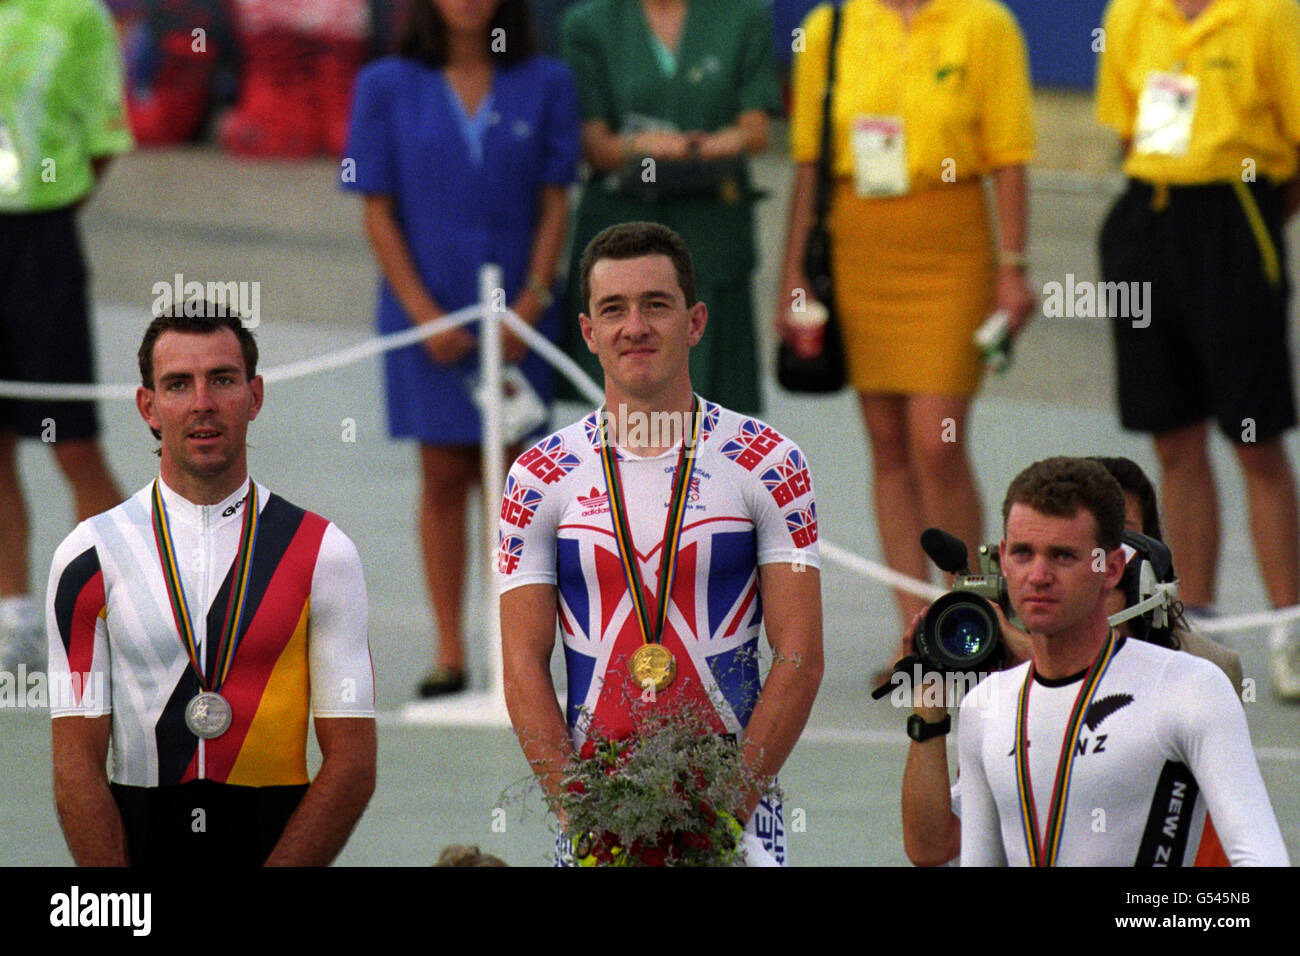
947,551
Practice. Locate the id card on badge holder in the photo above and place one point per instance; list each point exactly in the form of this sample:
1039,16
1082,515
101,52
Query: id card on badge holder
10,163
879,156
1165,111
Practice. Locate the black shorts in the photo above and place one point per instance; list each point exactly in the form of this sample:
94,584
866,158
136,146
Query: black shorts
202,823
1213,342
44,322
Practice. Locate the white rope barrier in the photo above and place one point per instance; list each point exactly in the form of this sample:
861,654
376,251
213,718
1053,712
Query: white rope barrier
537,342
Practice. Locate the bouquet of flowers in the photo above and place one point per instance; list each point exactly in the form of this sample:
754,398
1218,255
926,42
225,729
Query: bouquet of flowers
666,797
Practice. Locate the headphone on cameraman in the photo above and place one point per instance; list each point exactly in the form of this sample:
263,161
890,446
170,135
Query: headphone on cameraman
1150,588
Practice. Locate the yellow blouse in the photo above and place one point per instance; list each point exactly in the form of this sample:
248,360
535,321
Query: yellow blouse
958,78
1245,58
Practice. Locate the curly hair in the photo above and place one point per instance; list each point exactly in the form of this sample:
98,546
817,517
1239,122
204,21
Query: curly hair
1060,486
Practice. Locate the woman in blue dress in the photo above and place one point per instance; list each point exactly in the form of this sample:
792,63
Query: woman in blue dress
464,145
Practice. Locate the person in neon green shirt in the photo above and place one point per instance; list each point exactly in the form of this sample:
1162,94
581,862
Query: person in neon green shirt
61,121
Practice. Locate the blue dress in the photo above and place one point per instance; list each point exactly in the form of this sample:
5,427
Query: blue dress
465,192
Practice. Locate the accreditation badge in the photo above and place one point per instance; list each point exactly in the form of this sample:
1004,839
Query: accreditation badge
10,164
1165,111
879,156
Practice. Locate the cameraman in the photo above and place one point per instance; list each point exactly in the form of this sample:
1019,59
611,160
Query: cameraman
931,827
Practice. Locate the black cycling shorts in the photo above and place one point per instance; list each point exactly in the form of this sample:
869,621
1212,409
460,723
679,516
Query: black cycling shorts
44,322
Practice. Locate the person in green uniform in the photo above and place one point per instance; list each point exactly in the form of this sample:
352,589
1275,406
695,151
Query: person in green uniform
62,120
667,89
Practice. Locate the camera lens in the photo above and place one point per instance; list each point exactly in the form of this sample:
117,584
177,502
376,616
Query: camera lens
963,631
960,633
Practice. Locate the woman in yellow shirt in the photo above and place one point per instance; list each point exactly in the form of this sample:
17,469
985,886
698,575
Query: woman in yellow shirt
930,97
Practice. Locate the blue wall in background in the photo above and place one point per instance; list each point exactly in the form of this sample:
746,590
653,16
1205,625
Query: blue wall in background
1058,32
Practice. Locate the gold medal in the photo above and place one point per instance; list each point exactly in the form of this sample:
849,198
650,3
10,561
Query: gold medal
652,665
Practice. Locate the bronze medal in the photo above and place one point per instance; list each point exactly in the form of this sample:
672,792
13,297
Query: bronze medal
652,665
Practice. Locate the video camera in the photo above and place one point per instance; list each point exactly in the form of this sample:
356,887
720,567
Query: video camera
960,630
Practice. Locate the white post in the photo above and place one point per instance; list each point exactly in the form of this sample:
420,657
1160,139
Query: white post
492,300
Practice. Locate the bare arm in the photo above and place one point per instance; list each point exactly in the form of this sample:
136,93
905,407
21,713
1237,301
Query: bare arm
88,814
552,222
1012,205
527,639
748,135
793,277
792,605
337,797
394,258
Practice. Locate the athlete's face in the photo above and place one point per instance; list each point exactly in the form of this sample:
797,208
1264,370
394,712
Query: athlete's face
201,402
1054,577
640,326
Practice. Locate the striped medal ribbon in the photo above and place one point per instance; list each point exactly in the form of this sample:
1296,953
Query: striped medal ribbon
1044,853
208,714
652,665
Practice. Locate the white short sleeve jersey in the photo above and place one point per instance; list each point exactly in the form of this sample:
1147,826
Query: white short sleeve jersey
114,646
1164,738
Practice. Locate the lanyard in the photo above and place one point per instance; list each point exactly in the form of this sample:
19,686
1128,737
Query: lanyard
651,632
234,620
1045,851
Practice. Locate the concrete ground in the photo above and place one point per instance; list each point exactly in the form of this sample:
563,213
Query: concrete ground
289,228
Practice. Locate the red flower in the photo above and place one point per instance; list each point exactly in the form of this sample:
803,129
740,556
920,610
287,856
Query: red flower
652,856
706,811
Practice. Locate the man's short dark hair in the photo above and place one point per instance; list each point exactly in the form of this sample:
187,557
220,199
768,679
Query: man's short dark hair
212,317
632,240
1060,486
1133,480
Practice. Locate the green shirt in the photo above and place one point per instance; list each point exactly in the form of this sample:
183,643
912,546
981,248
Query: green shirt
724,65
61,101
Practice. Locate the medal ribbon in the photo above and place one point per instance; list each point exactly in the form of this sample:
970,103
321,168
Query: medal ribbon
235,606
1044,853
650,633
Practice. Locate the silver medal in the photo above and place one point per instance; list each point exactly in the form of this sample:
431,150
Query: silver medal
208,715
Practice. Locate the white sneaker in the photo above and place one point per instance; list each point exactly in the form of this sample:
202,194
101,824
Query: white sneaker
1284,660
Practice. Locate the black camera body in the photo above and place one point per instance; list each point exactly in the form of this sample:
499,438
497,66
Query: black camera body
960,630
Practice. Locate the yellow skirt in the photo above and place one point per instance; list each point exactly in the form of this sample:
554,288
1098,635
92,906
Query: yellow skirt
914,278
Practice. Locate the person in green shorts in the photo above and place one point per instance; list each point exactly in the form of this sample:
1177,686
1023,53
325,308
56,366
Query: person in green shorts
674,94
61,120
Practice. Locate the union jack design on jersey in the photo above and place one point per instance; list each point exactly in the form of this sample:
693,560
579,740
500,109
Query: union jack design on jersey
751,444
712,628
788,480
549,460
710,422
591,428
803,525
520,503
509,549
